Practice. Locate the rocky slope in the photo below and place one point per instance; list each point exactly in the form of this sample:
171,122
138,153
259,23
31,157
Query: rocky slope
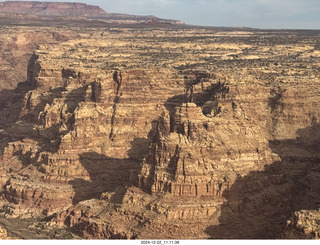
168,134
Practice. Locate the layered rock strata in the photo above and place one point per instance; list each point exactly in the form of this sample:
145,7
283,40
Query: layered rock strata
177,135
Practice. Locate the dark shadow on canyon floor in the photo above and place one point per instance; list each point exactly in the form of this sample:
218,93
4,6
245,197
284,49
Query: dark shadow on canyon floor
106,174
259,204
109,174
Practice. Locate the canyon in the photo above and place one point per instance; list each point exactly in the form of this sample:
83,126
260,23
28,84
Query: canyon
159,132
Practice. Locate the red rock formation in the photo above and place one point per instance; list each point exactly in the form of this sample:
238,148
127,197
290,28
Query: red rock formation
183,163
210,155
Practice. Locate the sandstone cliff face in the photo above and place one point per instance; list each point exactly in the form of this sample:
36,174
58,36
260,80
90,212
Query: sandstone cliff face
186,134
192,159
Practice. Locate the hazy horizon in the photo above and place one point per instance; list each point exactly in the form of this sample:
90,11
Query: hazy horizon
269,14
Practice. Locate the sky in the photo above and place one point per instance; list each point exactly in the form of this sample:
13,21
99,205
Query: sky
274,14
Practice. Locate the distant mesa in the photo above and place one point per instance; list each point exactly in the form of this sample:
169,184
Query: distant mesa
53,9
70,9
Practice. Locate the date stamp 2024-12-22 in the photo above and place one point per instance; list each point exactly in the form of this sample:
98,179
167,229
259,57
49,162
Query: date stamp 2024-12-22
161,242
